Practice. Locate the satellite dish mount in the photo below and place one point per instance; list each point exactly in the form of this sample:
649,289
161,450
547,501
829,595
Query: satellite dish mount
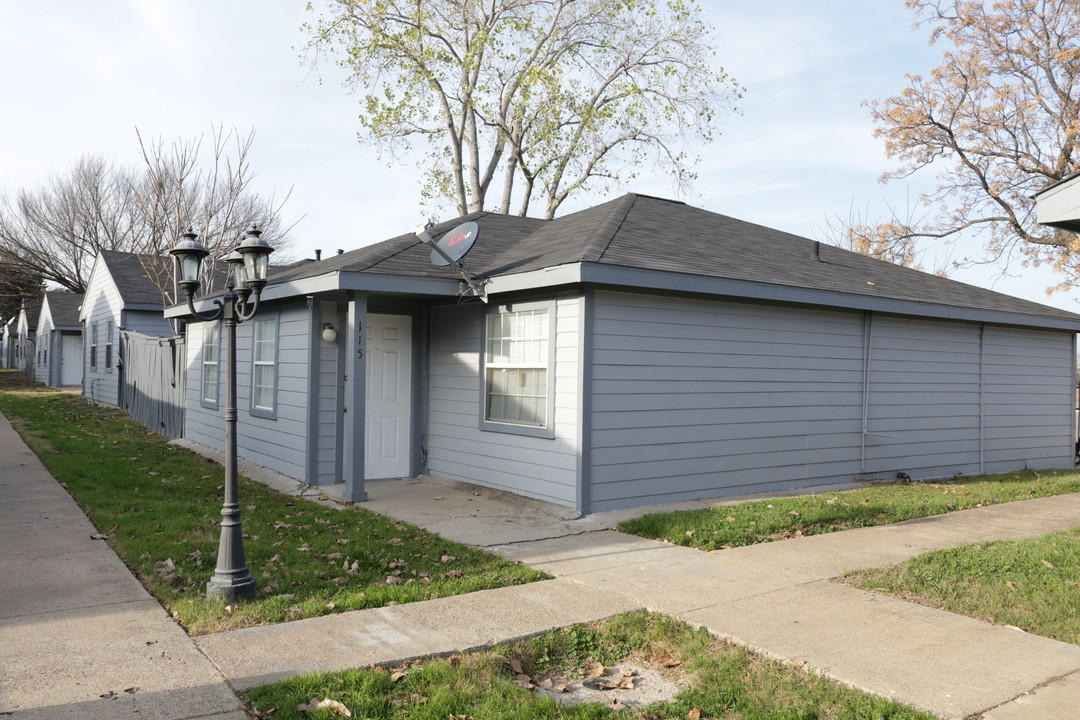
451,249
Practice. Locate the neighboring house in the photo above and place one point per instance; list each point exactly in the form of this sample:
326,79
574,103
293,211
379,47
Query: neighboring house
120,295
26,336
59,340
7,342
1058,205
638,352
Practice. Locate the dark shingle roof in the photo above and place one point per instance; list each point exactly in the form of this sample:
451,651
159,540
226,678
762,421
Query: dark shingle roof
642,232
64,307
32,308
133,281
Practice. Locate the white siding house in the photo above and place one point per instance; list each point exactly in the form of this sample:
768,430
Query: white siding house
120,295
26,336
8,329
59,340
638,352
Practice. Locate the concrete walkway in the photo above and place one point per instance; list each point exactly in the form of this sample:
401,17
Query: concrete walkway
79,636
74,624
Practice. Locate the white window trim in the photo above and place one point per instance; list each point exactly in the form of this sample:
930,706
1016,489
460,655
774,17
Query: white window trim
270,319
93,346
204,400
110,329
548,429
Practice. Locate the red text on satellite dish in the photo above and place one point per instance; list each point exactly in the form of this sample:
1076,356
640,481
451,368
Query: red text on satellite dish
458,238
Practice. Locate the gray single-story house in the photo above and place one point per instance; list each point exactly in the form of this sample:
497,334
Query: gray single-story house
59,340
122,293
637,352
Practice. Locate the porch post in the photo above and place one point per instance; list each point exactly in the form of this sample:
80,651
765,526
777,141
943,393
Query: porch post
355,370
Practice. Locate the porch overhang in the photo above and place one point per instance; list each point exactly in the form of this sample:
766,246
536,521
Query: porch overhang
362,282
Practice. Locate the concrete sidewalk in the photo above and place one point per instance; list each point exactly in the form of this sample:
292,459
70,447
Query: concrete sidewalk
75,625
79,636
775,598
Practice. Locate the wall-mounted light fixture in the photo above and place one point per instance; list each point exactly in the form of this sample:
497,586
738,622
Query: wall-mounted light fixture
329,334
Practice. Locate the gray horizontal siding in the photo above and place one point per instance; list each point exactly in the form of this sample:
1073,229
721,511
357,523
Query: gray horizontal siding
696,399
279,443
1029,399
544,468
147,323
921,371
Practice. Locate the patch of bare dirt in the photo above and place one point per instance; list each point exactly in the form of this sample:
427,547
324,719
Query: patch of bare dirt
635,681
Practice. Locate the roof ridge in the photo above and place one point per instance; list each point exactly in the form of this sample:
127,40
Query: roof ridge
611,226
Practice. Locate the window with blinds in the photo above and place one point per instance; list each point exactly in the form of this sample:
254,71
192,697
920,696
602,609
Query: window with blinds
211,354
516,361
264,370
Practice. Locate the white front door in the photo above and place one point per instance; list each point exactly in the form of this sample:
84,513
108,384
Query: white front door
388,397
71,359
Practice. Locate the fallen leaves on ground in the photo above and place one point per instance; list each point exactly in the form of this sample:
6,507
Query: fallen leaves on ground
333,706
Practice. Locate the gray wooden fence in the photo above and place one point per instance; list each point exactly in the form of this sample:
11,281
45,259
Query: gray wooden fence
153,381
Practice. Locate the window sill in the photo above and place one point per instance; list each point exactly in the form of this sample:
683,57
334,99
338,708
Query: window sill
526,430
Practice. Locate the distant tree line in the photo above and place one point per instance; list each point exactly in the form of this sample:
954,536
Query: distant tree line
52,233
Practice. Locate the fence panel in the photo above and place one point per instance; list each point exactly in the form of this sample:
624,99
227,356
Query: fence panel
153,381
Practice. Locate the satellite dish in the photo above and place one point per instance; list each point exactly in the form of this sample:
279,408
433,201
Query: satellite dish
455,244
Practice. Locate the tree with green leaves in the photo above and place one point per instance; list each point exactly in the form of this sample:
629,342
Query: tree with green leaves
997,121
546,97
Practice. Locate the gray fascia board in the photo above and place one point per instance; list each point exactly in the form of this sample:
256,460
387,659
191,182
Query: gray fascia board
330,282
659,280
538,279
639,278
143,307
408,285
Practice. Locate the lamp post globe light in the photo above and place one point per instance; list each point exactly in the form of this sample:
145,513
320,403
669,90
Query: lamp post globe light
248,265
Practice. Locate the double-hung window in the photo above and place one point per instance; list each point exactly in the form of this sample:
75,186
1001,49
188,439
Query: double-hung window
518,359
93,345
110,328
211,364
264,366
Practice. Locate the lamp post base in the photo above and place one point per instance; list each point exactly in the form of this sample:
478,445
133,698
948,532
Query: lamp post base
240,587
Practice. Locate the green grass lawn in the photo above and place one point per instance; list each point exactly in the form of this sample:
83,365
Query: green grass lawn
1031,584
758,521
160,507
718,680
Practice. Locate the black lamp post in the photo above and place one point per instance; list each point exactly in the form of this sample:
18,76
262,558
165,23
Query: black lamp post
248,265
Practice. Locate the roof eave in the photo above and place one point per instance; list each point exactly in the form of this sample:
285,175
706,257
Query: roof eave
639,278
362,282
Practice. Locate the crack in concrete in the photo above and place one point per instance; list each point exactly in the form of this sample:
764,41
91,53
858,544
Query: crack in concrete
978,715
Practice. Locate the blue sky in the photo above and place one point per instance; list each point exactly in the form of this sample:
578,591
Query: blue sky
80,77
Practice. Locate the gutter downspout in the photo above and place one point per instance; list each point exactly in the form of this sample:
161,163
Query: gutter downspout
982,398
868,327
